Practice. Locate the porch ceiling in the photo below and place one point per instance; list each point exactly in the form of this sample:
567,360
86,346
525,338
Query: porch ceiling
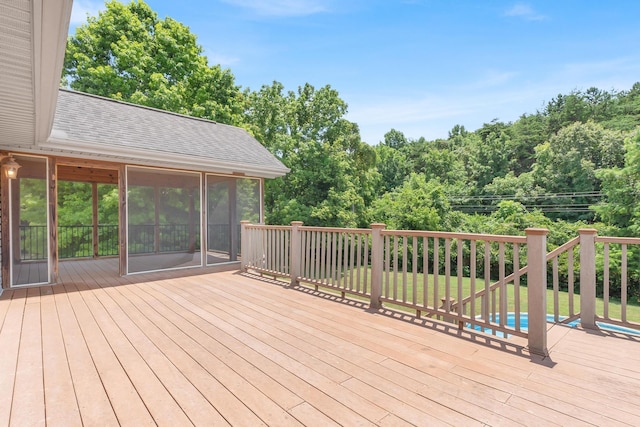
33,34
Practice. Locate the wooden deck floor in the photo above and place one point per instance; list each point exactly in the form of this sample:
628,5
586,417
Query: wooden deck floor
227,349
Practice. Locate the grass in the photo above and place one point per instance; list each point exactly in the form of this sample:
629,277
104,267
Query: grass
564,309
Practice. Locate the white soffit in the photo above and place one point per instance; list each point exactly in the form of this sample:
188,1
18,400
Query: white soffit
17,113
33,36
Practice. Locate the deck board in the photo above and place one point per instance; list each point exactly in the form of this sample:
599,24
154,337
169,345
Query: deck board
93,401
60,398
193,348
28,405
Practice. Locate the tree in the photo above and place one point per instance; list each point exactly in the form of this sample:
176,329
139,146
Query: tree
332,175
128,53
395,139
569,161
392,166
488,151
621,185
417,204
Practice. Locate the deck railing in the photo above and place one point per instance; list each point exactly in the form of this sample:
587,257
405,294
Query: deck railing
488,282
77,241
74,241
405,269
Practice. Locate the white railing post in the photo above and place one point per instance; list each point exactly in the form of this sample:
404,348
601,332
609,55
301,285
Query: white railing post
587,277
377,259
295,257
537,289
244,246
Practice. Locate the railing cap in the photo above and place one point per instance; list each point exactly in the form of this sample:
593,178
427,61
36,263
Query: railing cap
298,223
536,231
378,225
244,221
588,231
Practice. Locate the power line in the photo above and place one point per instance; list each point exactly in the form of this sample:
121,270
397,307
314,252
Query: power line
527,197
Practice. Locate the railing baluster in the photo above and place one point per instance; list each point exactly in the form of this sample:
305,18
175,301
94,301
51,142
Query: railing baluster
487,282
303,251
447,274
367,247
516,284
405,263
352,258
623,284
414,299
503,287
425,268
359,262
556,294
605,285
436,271
460,274
472,279
339,264
395,267
328,272
317,237
570,281
387,261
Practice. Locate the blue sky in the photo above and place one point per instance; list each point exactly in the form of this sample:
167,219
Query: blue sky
418,66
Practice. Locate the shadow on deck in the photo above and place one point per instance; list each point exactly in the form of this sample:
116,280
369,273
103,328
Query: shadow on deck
195,347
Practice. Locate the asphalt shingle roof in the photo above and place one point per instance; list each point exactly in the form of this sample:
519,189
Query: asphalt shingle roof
125,128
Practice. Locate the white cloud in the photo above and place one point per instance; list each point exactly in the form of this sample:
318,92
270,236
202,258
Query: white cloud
495,94
283,7
524,11
221,59
82,8
493,78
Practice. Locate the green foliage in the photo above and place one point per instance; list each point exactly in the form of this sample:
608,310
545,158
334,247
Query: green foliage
622,188
416,205
331,178
393,167
568,162
395,139
128,53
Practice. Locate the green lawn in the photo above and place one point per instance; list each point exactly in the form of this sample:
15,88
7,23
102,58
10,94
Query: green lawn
633,307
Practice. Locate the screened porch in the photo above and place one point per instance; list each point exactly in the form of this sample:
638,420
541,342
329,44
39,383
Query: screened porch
151,219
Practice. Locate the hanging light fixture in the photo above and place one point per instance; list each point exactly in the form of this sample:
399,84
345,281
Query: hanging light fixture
10,167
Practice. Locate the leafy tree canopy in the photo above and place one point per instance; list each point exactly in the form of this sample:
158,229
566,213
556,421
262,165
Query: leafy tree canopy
128,53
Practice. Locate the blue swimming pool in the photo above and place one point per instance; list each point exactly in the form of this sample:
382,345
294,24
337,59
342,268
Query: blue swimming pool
524,324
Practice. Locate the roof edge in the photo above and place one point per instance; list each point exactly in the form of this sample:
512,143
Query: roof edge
152,158
49,32
146,107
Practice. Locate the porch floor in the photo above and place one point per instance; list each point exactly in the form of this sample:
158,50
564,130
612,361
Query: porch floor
184,348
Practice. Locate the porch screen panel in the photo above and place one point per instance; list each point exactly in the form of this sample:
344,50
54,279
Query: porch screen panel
29,222
229,201
248,191
163,219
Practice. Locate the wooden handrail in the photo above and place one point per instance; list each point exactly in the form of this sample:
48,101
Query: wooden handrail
554,253
619,240
451,235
